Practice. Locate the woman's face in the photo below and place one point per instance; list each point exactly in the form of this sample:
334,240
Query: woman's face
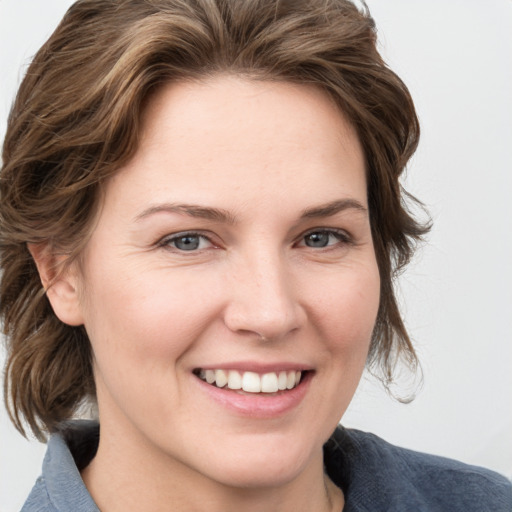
236,244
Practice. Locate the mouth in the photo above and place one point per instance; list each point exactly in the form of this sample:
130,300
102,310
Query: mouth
270,383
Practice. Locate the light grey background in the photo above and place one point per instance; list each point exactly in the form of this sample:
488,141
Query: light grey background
456,57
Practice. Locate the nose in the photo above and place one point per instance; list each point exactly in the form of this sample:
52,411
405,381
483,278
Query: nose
263,298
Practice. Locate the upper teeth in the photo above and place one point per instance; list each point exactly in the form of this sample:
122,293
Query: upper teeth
252,382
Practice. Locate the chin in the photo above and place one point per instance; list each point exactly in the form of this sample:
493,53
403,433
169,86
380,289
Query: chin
247,476
271,464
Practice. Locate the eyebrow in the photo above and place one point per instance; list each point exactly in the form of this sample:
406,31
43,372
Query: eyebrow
332,208
192,210
224,216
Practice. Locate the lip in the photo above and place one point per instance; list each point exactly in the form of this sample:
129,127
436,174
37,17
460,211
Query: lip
260,368
263,406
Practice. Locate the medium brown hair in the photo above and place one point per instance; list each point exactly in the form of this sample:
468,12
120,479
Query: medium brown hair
76,120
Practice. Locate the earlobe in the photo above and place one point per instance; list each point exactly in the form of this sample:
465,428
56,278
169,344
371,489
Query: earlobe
60,282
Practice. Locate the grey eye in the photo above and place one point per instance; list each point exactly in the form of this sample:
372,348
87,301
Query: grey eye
318,239
187,242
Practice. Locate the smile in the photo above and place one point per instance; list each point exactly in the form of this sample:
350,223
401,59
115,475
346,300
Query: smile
251,382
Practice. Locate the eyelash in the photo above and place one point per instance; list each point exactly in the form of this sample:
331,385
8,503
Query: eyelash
168,240
342,236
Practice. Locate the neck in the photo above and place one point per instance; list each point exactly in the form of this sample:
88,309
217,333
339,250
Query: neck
127,475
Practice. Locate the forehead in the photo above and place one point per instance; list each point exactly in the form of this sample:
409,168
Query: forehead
243,108
259,138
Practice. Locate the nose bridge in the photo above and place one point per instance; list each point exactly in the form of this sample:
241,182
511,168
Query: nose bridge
263,299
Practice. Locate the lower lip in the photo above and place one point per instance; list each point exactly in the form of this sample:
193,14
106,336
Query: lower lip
258,405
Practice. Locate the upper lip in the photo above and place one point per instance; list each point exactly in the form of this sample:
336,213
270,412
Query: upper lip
256,367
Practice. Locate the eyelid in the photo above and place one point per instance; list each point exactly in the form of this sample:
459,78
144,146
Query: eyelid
165,241
343,235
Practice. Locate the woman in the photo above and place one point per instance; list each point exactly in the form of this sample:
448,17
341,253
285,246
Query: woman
201,219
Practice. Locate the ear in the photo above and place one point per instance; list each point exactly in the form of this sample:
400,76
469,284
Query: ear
60,282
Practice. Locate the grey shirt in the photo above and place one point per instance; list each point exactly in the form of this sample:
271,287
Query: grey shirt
374,476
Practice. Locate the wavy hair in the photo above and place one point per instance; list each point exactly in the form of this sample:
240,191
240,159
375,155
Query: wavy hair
76,120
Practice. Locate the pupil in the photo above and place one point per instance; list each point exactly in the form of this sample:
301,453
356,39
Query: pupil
187,243
317,239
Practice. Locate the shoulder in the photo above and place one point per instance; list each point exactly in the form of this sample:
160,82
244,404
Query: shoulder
61,487
393,478
38,500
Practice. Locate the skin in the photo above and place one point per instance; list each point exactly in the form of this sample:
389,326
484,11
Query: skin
254,291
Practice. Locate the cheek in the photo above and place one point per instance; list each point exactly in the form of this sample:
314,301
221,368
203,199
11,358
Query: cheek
141,328
347,312
144,317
